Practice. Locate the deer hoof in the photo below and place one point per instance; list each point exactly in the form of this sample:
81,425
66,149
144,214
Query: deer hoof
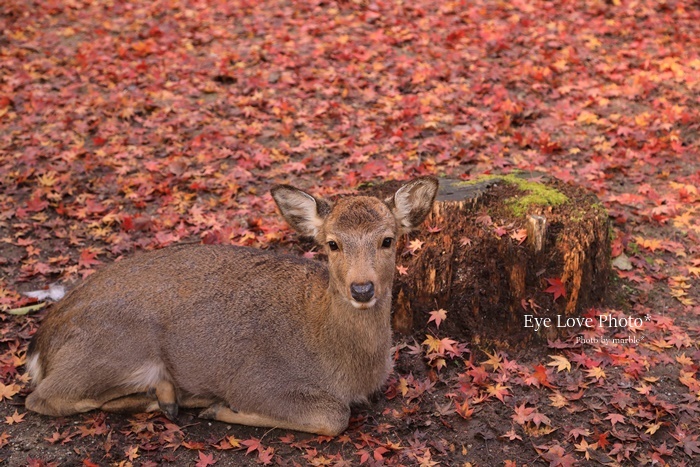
169,410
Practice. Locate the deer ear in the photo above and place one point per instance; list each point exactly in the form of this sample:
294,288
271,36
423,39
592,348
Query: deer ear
301,210
412,202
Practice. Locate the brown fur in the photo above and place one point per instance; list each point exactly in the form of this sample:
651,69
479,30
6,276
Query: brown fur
251,336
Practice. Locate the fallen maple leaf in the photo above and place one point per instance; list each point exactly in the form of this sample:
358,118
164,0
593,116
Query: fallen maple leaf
652,428
403,270
253,444
558,400
438,316
265,456
690,445
519,236
15,418
8,391
576,432
683,360
540,374
556,287
464,410
560,362
132,452
615,418
87,258
596,372
584,447
557,457
540,418
494,360
499,391
205,460
414,246
511,435
523,414
87,462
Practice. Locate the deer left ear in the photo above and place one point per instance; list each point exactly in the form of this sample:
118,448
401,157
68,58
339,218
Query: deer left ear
412,202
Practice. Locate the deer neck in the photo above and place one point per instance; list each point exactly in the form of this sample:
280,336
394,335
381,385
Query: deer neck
360,343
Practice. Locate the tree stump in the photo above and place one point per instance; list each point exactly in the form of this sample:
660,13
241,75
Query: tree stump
499,249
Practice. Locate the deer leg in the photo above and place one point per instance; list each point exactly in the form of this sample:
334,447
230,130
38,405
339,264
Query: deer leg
167,399
197,402
162,396
327,423
59,406
133,403
52,397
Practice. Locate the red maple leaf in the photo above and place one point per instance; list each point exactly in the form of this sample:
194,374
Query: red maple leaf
36,204
205,460
87,258
541,375
602,439
556,287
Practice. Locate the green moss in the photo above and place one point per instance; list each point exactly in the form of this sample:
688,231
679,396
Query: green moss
535,193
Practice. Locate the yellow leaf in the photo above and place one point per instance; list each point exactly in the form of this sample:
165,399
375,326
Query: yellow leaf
48,179
596,372
494,360
643,119
651,244
653,428
415,245
684,220
587,118
234,442
433,343
560,362
558,400
592,42
402,387
439,363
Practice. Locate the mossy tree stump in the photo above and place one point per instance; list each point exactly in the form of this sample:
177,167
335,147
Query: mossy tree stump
493,248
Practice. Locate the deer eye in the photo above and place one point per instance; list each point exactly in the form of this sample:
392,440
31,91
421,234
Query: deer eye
332,245
387,242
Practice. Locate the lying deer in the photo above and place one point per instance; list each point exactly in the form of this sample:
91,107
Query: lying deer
252,337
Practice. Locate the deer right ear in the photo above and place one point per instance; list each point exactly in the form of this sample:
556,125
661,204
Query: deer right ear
301,210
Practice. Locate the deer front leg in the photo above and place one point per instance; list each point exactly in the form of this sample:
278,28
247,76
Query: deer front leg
132,403
162,397
167,399
321,422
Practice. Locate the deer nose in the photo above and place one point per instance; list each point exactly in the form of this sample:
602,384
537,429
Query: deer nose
362,292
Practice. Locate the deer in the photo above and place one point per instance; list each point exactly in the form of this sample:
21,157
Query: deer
248,336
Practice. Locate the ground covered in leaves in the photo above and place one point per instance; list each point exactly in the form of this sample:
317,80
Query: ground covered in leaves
134,125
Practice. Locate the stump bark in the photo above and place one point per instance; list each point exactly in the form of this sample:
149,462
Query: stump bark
493,251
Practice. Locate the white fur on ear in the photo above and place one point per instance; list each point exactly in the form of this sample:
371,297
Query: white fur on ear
413,201
301,210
